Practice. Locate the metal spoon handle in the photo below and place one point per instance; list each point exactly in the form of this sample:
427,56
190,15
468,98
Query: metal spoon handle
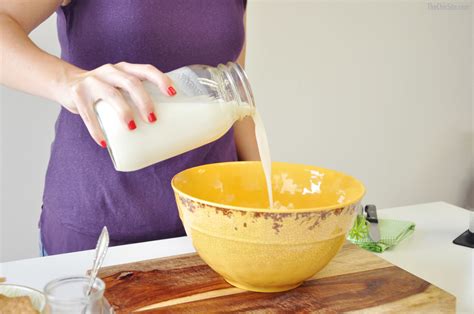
100,252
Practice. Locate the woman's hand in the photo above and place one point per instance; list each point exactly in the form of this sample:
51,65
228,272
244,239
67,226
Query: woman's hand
84,88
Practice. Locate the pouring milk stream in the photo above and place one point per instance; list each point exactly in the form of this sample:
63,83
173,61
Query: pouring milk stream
208,102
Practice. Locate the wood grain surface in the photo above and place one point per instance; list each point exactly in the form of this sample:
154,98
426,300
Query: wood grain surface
354,281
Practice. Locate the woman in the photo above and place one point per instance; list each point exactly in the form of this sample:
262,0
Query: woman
107,46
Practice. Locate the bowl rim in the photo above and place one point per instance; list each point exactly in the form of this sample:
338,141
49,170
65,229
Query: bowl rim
268,210
30,290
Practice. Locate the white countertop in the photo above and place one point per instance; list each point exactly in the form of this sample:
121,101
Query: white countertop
429,253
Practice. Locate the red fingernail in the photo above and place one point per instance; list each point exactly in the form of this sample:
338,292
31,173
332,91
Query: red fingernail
152,117
171,91
103,144
132,125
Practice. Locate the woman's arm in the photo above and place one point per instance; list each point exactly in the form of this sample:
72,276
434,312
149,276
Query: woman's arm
26,67
244,130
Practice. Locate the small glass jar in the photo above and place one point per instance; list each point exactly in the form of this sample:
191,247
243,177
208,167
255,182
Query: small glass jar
209,100
68,295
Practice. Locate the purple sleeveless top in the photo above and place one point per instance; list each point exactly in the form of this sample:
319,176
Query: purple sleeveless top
83,192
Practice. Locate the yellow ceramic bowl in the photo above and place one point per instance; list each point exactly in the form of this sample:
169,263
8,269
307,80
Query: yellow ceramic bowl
224,209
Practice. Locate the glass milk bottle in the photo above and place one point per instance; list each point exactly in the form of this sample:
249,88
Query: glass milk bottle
208,102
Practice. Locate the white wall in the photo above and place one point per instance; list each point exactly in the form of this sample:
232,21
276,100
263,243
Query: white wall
471,203
381,90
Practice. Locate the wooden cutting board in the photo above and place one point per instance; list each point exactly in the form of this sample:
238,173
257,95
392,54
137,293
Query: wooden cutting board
354,281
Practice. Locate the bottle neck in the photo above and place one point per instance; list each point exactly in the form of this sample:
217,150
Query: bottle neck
236,88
